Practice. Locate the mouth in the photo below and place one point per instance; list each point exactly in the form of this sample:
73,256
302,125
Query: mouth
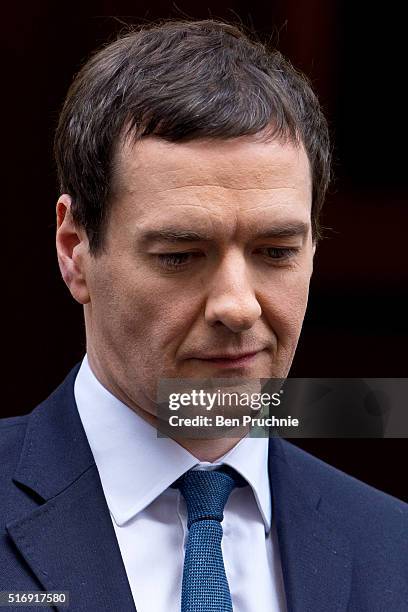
230,361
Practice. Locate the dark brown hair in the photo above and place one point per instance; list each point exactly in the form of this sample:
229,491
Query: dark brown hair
180,80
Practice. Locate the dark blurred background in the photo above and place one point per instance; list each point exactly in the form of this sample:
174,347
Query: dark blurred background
354,54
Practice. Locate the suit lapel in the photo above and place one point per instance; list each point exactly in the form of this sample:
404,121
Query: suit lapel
68,540
315,554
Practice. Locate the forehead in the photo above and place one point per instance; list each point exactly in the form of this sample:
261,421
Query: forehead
212,181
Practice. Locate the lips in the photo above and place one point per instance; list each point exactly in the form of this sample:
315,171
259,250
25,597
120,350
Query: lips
228,357
230,360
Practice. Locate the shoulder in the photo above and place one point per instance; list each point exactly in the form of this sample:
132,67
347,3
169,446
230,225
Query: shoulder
12,432
12,435
333,513
360,508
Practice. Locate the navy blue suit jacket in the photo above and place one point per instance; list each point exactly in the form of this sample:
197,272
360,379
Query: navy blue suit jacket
343,544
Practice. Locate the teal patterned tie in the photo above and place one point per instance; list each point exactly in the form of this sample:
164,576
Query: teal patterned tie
205,586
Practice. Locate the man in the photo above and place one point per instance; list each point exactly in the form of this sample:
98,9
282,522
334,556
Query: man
193,165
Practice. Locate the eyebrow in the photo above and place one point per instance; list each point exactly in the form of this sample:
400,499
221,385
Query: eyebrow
174,235
286,230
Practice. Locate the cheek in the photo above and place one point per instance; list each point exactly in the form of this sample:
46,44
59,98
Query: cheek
284,305
137,312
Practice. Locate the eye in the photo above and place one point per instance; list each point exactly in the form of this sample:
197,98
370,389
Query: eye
174,261
279,253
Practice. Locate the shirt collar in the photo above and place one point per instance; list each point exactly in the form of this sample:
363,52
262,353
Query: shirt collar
135,466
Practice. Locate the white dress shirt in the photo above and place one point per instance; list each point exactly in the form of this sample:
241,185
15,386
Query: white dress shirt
136,470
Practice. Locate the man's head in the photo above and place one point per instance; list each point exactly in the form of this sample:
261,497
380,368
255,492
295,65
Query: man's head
194,164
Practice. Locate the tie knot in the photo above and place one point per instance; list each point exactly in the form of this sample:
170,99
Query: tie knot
206,492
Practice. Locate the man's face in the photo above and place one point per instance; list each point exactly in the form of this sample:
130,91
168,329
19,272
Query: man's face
207,264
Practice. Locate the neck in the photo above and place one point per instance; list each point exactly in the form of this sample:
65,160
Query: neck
209,450
203,449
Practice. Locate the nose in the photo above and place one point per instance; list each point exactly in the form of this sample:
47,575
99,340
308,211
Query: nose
231,298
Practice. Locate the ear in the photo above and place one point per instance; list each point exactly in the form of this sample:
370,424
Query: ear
72,251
